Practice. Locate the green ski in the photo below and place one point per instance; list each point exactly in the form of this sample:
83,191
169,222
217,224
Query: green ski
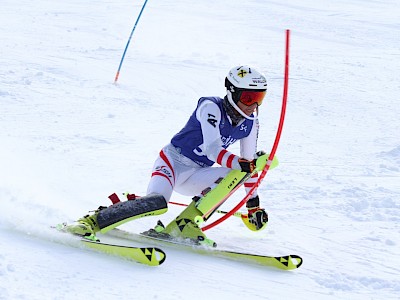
150,256
286,262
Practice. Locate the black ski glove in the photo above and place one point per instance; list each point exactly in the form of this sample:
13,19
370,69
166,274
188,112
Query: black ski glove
249,166
257,216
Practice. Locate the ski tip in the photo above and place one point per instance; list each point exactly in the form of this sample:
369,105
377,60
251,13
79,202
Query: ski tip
290,262
161,256
298,259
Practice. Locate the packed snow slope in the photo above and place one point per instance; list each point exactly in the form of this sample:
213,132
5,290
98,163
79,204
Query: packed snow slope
70,137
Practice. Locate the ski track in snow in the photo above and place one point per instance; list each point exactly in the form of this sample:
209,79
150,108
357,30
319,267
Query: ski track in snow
69,138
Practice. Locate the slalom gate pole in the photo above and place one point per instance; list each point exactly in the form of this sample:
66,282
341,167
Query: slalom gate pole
274,147
129,40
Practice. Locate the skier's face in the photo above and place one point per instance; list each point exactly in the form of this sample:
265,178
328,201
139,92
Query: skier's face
247,109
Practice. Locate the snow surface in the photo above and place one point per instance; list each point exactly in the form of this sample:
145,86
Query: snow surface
70,137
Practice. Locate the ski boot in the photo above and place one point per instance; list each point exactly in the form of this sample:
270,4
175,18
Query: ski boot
184,227
86,227
106,218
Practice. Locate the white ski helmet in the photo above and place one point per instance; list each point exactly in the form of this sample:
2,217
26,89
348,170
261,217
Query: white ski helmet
246,79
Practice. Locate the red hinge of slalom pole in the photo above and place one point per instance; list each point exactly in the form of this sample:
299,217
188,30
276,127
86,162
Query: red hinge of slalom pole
114,198
275,146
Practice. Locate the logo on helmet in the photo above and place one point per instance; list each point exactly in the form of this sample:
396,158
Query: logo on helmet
259,80
242,73
233,78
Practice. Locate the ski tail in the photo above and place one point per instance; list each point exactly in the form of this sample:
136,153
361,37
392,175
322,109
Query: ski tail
150,256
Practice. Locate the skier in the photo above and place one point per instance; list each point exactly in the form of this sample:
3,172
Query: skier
185,164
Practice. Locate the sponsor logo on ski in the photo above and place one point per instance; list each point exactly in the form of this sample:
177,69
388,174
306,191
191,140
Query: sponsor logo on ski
233,182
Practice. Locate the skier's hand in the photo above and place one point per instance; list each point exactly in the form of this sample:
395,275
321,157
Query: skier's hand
249,166
257,216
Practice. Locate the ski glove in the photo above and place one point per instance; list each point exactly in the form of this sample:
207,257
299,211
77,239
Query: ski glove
256,215
249,166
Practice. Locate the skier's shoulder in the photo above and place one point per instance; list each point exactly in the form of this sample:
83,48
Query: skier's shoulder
209,101
209,105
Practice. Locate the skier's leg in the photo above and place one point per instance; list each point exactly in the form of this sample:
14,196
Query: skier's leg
154,203
184,225
163,175
201,179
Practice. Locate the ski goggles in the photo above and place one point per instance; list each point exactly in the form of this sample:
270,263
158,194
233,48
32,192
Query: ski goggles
250,97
